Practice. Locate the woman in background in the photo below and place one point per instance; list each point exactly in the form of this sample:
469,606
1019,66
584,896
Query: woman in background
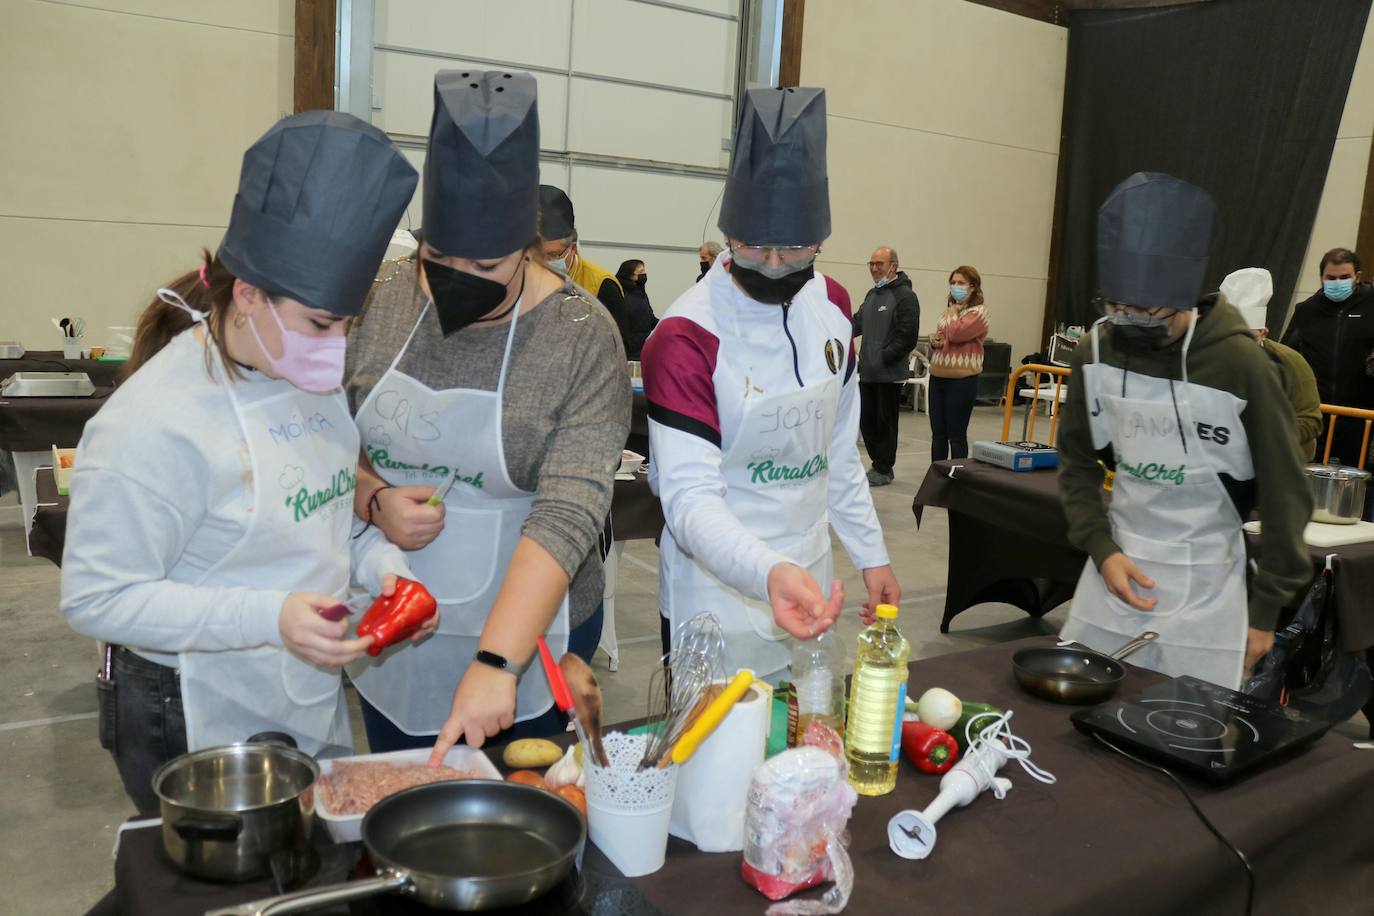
956,359
639,315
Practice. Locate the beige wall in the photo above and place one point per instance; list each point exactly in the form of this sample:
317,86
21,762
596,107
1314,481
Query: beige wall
944,121
1338,215
125,123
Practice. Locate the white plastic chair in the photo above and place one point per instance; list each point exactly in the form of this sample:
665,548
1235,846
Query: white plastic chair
920,377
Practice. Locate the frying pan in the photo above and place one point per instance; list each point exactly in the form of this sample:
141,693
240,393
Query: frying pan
1067,675
472,844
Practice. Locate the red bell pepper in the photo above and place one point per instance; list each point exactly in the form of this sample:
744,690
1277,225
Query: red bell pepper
932,750
396,617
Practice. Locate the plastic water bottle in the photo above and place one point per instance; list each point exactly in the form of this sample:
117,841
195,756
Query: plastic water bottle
876,698
818,682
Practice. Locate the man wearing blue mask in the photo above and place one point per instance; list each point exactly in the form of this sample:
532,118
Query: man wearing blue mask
1334,331
889,321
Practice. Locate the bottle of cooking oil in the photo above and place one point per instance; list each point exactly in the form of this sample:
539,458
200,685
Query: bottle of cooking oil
876,697
818,682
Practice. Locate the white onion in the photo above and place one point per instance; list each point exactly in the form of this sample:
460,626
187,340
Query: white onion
939,708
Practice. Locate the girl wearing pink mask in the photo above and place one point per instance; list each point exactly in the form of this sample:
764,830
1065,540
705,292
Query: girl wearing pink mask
212,539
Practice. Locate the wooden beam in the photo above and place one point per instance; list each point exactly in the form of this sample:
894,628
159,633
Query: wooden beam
1047,323
1044,10
314,77
1364,245
789,60
1057,11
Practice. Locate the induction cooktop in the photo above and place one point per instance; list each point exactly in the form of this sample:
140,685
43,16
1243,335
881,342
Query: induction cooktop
1201,728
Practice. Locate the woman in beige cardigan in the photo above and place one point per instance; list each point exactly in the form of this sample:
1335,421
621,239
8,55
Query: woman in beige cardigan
955,361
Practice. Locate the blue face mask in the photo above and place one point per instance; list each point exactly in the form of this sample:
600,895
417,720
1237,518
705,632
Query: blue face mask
881,283
1338,290
958,293
559,264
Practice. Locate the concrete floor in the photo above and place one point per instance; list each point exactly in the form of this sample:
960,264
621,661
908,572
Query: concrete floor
63,800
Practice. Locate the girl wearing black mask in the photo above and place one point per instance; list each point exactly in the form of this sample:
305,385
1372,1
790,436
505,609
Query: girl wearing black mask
639,314
492,401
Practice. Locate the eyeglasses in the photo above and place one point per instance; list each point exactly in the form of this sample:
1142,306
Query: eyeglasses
758,255
1137,311
873,264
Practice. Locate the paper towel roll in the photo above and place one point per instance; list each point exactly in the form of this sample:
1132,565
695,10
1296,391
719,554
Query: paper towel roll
713,786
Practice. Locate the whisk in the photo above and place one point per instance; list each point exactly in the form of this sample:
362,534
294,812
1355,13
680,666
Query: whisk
676,690
701,636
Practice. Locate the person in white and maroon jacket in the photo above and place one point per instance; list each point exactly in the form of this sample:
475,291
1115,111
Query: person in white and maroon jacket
754,408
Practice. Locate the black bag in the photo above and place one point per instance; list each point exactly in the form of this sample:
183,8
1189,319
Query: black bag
1306,669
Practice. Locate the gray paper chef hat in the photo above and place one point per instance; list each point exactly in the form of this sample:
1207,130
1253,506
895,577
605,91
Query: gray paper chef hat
776,191
319,196
1154,236
482,169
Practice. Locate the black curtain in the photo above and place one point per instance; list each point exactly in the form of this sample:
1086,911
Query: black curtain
1240,97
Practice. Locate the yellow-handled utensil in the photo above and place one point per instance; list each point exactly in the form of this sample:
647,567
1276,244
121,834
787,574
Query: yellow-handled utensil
712,716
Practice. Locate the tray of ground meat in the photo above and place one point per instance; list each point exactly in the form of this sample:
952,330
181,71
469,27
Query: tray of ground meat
349,786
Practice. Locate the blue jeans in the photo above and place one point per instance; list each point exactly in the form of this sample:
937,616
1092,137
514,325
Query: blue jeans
383,735
951,406
142,723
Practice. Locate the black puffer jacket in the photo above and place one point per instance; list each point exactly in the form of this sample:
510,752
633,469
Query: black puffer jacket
639,319
889,320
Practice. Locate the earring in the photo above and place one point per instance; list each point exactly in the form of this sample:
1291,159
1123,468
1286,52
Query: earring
238,320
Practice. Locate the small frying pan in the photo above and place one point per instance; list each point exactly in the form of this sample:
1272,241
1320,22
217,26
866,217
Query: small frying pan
1067,675
471,844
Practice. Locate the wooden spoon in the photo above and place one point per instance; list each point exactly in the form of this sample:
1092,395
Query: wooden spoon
586,695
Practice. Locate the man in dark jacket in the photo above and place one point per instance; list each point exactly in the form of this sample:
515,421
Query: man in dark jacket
1334,332
889,321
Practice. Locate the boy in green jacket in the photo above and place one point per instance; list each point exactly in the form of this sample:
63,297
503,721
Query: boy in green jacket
1176,398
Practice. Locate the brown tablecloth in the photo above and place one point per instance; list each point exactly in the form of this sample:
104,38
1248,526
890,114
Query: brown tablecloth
1006,537
35,424
635,510
102,372
1008,542
1108,837
635,514
49,530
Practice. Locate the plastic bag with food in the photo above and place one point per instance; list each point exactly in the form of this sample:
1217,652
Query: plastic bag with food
794,833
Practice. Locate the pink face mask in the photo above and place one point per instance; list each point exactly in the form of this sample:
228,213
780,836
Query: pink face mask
310,363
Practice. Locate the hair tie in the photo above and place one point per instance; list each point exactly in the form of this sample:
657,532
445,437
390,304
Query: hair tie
203,281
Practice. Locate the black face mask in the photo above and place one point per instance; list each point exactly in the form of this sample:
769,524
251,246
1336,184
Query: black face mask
461,298
772,291
1139,338
705,266
643,281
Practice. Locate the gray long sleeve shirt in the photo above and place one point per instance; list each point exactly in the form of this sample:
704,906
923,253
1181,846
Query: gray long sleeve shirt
565,413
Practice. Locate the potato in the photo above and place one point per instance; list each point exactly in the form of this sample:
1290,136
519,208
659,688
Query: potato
531,753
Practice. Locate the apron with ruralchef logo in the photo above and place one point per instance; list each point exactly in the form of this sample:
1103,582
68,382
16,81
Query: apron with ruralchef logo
303,454
416,436
1173,518
776,475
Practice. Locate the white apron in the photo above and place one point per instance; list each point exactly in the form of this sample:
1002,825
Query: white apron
1172,517
776,474
415,436
303,451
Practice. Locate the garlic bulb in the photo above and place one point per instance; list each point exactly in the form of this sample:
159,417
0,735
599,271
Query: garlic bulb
565,772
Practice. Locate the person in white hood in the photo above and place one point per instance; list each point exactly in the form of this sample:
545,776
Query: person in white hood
1249,290
210,541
